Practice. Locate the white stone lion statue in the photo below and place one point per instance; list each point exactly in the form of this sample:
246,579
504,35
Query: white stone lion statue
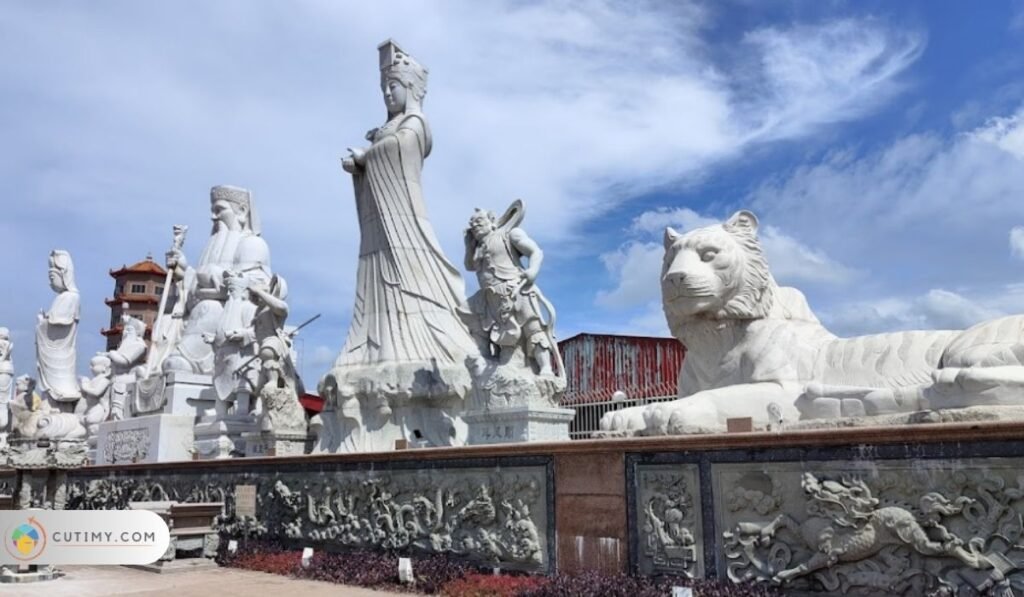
755,347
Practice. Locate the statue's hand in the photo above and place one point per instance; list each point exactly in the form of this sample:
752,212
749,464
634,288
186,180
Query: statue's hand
174,258
208,338
348,165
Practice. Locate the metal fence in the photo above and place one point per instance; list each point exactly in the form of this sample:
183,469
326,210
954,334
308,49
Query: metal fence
588,414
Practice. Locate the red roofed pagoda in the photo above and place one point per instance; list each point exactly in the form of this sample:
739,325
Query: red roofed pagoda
137,290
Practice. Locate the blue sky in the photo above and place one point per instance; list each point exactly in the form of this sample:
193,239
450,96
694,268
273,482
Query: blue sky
880,143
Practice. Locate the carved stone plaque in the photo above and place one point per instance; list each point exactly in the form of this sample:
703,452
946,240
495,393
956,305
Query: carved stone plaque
923,527
245,500
668,518
492,515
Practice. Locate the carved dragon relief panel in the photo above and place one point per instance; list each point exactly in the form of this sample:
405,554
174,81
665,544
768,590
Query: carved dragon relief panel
939,528
480,514
668,520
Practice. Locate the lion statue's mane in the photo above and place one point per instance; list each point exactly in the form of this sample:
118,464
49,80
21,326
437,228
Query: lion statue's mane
752,344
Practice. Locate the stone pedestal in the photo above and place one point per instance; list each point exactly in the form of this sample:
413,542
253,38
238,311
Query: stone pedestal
511,403
152,438
272,443
189,394
519,424
220,435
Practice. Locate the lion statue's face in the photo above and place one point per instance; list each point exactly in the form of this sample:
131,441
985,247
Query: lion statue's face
718,272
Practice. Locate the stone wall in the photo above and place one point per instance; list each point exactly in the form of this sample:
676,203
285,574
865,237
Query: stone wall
913,510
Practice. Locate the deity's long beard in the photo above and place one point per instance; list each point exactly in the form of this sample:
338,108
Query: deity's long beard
222,246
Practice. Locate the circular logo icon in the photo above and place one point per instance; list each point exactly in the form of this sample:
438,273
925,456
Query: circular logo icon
26,541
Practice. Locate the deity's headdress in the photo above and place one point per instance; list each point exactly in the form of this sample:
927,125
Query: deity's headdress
61,261
396,63
239,198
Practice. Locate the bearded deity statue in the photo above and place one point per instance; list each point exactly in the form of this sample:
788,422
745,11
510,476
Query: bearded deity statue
197,296
404,359
235,246
56,332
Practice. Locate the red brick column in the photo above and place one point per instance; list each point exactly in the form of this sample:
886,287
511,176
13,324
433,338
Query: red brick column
590,512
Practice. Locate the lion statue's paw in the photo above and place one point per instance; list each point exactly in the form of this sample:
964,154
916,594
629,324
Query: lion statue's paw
625,420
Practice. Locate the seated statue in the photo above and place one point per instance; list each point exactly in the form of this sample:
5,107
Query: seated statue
26,408
753,346
235,246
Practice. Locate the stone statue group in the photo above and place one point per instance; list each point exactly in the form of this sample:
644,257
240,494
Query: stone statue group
418,353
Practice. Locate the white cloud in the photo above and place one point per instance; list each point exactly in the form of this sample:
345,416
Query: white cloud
636,269
117,118
656,220
934,309
1017,242
793,262
812,75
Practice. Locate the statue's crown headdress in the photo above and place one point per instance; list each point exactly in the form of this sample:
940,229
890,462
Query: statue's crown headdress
238,197
396,62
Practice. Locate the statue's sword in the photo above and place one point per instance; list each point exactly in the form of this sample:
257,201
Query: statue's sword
291,334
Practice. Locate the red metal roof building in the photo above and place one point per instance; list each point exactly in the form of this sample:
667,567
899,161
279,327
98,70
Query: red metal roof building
598,365
137,288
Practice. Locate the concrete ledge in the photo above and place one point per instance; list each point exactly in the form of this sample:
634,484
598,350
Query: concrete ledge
179,565
923,433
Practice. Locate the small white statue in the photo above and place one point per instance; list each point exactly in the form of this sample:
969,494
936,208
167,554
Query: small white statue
234,339
27,408
97,392
129,354
56,332
272,341
6,378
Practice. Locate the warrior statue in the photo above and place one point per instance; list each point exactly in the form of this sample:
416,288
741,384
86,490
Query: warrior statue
278,385
56,332
505,315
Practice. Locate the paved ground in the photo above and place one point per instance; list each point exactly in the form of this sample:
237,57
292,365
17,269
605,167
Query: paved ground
101,581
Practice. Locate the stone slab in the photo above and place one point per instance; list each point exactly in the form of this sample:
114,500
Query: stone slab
147,439
178,566
590,474
473,510
519,424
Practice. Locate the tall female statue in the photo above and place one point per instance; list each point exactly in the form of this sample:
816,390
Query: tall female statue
56,332
405,340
